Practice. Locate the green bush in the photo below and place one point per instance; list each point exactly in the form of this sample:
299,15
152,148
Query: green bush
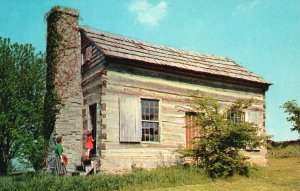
223,134
282,151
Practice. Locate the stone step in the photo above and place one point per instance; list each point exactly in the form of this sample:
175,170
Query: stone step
89,169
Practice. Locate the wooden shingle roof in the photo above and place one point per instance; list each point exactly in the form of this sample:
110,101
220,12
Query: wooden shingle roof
125,48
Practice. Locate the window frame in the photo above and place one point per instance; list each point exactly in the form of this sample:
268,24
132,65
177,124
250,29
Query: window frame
158,122
87,54
237,116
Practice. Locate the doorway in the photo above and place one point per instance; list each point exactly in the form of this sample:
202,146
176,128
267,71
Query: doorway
93,118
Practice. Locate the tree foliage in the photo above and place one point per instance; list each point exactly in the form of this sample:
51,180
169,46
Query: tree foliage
293,110
22,89
217,149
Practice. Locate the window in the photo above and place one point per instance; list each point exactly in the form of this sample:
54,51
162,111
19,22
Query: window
150,120
86,55
139,119
82,59
192,131
236,116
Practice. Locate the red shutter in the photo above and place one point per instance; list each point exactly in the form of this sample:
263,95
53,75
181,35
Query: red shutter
192,131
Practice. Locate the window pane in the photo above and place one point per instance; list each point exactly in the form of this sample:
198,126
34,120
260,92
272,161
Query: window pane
152,117
156,110
150,112
151,138
156,132
236,116
154,125
151,131
155,138
152,103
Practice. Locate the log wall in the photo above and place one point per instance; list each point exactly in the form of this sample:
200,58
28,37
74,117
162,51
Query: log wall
173,93
92,83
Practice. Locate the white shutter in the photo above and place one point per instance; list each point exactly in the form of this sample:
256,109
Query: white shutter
254,117
130,119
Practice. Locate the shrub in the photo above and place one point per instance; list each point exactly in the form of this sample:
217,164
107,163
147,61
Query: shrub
222,135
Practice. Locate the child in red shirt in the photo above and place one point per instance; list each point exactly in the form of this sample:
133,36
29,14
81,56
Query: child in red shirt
89,144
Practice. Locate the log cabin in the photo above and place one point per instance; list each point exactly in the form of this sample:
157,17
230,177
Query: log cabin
128,92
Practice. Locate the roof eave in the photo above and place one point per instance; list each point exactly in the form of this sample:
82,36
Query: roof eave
221,78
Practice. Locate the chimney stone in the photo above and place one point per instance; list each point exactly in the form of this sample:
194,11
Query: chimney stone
64,69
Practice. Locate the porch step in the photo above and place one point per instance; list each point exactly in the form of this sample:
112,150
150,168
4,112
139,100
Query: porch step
89,168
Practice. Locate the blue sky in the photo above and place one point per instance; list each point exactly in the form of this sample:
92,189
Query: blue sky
261,35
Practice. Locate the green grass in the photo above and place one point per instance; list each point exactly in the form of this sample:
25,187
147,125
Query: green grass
140,179
280,174
284,151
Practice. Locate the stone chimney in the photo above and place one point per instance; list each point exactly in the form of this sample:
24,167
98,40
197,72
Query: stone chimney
64,77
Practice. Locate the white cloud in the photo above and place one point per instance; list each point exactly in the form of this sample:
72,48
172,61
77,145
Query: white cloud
246,7
147,13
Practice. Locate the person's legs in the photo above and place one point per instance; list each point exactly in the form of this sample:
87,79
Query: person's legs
87,154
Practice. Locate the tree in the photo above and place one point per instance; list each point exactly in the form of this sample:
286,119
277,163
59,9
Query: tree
293,110
222,137
22,89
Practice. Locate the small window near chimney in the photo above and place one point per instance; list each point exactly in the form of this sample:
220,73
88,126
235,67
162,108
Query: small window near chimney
82,58
86,55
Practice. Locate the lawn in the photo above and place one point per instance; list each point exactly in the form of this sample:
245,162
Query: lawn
280,174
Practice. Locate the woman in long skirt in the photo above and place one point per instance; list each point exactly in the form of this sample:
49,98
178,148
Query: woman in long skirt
60,168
